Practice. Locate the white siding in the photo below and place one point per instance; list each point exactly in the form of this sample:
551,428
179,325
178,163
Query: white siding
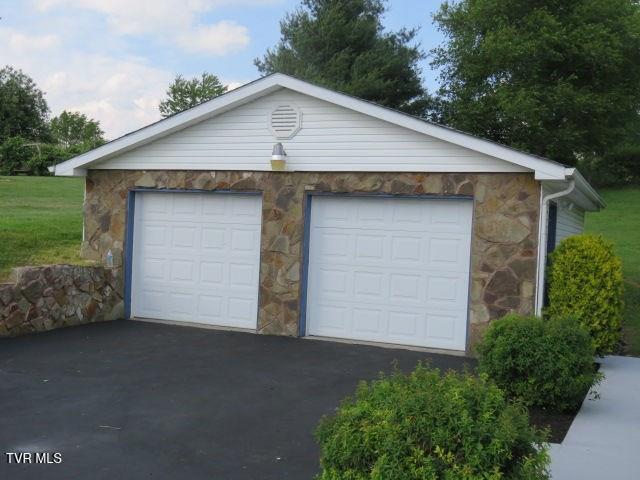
332,138
569,221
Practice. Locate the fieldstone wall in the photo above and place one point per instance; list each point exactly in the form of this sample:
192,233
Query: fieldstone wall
504,240
54,296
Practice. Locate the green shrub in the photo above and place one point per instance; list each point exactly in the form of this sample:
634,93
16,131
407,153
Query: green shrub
585,281
544,363
48,154
427,426
14,154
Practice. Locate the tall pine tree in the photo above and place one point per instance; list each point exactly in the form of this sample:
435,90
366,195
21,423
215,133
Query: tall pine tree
341,44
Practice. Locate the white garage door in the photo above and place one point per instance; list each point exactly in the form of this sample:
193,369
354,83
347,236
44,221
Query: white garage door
391,270
196,258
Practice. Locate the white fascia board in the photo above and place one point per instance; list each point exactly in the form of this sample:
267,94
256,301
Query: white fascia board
169,125
544,169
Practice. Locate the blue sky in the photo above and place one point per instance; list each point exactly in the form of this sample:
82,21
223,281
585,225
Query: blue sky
113,59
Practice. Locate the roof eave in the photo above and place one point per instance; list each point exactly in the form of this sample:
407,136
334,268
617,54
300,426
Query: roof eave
584,187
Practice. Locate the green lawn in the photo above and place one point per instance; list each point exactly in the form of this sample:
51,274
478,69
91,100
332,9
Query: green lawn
40,221
620,223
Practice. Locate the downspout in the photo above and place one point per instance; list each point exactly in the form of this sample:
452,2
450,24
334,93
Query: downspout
542,242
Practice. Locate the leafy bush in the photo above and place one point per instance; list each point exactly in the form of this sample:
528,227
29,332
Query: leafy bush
14,154
585,281
424,425
48,154
545,363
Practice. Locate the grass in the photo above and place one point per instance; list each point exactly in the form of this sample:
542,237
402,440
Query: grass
40,221
620,223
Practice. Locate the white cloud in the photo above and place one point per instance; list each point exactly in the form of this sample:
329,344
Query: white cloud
23,43
81,67
122,93
134,17
217,39
169,20
234,85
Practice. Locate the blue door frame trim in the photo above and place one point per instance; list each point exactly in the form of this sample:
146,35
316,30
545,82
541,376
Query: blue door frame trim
128,252
128,243
552,228
306,238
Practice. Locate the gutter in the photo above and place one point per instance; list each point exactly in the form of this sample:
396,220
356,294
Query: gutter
585,188
542,241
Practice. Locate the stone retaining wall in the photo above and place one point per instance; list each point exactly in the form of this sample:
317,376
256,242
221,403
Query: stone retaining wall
54,296
503,251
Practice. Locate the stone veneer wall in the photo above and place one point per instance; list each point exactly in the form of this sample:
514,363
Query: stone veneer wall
53,296
504,239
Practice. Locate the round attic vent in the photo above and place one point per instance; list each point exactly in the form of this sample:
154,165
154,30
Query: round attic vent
285,121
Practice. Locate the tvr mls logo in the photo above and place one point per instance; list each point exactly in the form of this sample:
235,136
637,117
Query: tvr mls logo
34,457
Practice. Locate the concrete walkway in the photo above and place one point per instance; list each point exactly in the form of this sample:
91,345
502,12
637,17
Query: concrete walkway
604,439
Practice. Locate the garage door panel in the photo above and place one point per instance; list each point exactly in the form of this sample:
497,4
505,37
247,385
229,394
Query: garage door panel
183,236
244,240
181,304
155,269
406,248
406,287
155,235
156,210
212,273
332,320
151,300
367,321
184,207
213,239
441,326
368,284
248,209
446,291
383,272
183,271
370,246
196,258
332,281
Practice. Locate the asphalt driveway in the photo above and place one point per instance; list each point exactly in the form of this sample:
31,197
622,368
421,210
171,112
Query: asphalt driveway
126,400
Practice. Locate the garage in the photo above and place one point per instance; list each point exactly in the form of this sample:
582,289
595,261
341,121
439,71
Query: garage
196,257
389,269
351,220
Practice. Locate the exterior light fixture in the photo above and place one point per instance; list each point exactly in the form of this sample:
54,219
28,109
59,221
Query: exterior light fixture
278,160
108,259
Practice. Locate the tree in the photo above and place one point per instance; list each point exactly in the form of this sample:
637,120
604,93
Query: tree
183,94
23,109
342,44
74,129
557,78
